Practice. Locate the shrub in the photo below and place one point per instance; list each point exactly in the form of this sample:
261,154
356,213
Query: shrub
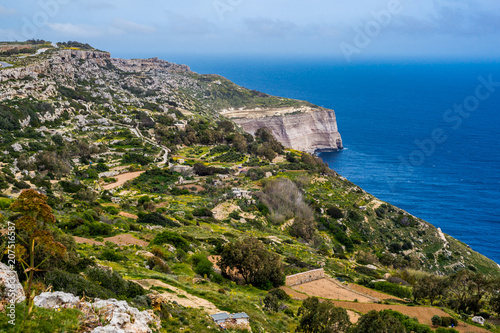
111,255
76,285
202,212
160,252
157,219
335,212
159,265
115,283
171,238
448,321
285,201
393,289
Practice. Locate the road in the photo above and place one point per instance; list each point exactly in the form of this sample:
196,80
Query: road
137,133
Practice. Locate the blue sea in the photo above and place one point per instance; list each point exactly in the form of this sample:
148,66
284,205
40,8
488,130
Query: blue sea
420,135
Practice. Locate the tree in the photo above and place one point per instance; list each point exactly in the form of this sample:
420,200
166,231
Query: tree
240,143
467,289
256,265
374,322
430,286
33,230
322,317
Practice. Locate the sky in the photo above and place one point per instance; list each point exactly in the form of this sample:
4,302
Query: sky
349,30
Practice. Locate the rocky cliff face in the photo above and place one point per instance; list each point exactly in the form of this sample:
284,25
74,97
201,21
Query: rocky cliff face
311,131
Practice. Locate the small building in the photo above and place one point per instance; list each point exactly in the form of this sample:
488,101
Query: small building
241,194
224,319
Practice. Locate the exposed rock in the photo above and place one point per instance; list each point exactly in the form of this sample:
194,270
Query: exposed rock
478,320
144,254
124,318
10,280
56,300
119,316
311,131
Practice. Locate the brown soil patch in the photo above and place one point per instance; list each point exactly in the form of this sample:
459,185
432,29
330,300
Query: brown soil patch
423,314
372,292
190,188
81,240
131,216
187,300
121,179
126,240
326,288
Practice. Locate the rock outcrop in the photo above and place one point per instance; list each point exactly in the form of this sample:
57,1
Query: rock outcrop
13,289
315,130
118,315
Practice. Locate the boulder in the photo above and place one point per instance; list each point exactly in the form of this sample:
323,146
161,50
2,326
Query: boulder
13,287
56,300
123,318
478,320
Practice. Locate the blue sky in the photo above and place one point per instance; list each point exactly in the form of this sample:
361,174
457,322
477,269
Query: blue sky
327,28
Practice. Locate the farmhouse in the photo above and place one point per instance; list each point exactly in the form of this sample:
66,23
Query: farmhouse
241,194
224,319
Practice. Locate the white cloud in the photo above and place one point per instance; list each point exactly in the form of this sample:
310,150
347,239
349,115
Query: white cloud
72,30
7,11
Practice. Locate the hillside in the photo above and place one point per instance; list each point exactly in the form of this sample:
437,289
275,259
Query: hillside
147,174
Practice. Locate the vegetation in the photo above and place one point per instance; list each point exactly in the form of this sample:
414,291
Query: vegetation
94,235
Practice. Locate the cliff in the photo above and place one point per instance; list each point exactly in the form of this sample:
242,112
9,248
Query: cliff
310,131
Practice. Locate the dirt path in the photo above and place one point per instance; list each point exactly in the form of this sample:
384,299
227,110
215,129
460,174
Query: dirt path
180,296
122,179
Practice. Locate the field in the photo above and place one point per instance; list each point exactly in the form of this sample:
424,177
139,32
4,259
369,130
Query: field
326,289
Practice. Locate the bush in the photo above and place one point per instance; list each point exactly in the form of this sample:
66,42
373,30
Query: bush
392,289
169,237
111,255
202,212
159,265
436,320
76,285
448,321
285,201
157,219
202,265
335,212
115,283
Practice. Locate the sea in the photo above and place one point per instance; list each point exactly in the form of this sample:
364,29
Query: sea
421,135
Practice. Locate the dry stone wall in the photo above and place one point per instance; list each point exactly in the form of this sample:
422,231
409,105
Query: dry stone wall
296,279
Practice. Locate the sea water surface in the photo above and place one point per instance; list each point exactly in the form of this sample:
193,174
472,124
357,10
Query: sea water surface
383,111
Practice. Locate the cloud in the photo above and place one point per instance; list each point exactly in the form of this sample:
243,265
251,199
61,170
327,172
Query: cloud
121,26
72,30
451,20
7,11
